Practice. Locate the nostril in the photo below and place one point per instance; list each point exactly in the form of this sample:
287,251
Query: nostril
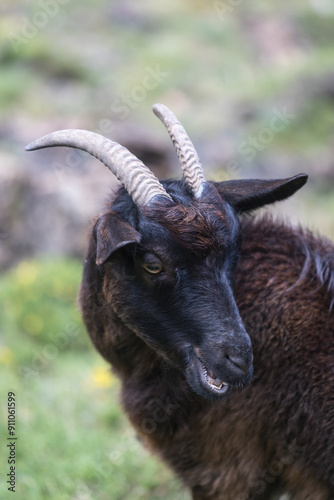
239,362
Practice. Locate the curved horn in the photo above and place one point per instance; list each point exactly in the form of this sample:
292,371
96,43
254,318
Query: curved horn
138,180
193,172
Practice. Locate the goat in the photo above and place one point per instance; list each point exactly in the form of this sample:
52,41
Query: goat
180,291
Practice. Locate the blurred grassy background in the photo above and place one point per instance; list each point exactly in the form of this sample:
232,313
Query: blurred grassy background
227,69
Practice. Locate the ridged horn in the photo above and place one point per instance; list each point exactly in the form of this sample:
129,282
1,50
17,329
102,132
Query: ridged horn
193,172
138,180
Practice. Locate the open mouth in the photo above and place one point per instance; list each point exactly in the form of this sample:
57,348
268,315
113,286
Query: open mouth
209,379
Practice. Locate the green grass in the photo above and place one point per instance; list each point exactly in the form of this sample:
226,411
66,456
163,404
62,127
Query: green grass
74,442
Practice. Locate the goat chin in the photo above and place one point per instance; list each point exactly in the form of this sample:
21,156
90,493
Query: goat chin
206,383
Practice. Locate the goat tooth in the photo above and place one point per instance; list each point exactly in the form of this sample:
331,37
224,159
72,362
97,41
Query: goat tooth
214,383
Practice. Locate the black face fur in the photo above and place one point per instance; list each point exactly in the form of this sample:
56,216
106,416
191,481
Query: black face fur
168,276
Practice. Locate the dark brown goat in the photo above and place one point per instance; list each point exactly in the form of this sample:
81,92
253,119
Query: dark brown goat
157,300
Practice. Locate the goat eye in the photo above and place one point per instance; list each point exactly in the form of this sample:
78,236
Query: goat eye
153,268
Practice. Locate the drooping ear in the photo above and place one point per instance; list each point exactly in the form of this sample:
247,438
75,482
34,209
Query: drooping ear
112,233
249,194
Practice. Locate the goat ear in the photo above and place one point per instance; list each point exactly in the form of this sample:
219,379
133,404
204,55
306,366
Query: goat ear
245,195
112,233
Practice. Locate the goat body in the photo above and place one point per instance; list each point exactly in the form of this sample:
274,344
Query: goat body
181,292
276,434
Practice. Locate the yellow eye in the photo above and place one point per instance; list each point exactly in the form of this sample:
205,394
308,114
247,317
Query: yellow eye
153,268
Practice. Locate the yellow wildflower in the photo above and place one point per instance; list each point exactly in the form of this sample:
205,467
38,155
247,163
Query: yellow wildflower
102,377
6,355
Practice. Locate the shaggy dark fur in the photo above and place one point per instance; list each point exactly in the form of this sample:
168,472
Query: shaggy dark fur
274,436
